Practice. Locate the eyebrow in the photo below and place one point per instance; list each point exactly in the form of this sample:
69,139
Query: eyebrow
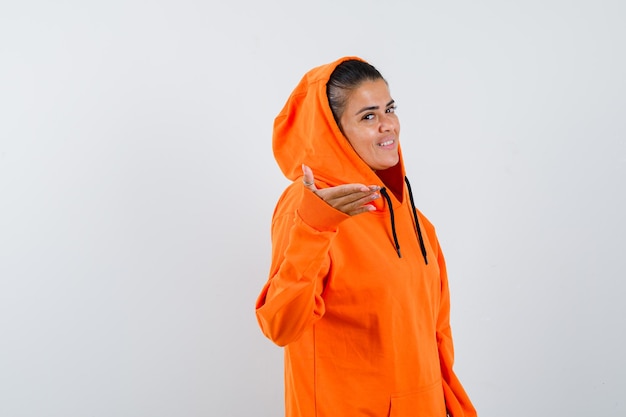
373,107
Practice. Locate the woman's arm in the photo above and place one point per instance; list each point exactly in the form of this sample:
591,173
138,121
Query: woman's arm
304,225
302,233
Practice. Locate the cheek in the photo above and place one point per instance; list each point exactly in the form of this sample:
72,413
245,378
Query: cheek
358,138
397,124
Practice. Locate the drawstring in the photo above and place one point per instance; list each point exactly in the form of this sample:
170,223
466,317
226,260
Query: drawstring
383,192
417,223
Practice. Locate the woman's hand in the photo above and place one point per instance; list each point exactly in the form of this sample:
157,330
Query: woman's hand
351,199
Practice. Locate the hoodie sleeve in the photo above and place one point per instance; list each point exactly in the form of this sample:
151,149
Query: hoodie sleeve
291,301
458,403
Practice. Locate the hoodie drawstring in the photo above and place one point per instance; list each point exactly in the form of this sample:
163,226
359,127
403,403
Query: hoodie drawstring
417,223
383,192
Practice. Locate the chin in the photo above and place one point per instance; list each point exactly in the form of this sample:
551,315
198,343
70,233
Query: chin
382,164
382,167
391,164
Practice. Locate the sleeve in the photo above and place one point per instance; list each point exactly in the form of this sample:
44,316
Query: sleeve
458,403
291,300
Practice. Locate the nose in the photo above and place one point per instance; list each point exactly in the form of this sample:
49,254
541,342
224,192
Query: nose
386,123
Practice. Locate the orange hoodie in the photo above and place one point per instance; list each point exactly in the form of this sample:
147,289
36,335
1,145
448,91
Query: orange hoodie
366,327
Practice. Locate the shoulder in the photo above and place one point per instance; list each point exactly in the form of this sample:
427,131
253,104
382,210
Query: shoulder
425,221
429,228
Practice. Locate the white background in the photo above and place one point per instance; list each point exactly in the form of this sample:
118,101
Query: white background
137,185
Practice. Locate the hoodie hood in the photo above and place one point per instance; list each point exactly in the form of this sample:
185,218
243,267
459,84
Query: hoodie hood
306,132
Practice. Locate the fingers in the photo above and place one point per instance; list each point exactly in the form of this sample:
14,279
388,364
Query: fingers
351,199
347,194
354,203
363,209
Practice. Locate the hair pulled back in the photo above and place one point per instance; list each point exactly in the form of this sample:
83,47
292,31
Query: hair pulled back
347,77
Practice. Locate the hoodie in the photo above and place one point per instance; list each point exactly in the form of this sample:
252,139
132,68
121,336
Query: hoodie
360,303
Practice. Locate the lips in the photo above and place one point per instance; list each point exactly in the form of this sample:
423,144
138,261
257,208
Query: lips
386,143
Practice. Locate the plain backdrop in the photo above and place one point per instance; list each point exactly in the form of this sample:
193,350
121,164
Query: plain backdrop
137,185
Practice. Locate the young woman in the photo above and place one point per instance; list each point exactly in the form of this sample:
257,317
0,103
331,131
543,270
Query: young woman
357,293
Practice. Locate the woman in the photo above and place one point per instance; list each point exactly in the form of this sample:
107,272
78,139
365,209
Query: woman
358,292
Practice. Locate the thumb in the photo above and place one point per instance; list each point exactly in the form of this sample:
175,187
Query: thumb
308,179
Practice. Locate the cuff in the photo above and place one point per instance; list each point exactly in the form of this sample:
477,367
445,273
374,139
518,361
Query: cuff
318,214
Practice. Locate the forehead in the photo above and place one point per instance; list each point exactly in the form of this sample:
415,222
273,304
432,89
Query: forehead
370,93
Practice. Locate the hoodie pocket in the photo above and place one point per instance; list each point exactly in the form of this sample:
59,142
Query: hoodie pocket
427,402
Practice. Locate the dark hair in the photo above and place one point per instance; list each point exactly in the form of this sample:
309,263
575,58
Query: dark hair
346,77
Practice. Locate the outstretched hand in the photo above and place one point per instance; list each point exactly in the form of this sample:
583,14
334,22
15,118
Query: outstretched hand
351,199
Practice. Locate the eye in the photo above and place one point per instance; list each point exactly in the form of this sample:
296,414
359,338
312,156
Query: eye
391,109
368,116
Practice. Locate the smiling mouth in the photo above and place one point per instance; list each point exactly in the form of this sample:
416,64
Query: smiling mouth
386,143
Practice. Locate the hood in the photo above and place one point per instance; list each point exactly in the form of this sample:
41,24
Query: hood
306,132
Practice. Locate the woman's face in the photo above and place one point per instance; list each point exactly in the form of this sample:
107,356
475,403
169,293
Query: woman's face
371,125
